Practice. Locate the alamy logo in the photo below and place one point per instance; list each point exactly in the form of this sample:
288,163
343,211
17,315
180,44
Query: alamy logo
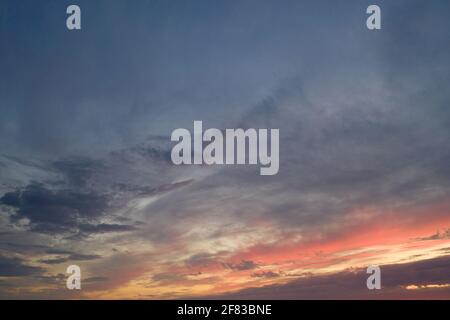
73,21
74,280
233,144
374,280
374,20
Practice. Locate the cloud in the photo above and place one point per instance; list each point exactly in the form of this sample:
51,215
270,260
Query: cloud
265,274
58,251
104,228
95,279
20,247
437,236
70,256
168,277
51,278
78,171
60,211
53,211
16,267
53,261
83,257
242,266
205,259
359,129
351,284
200,260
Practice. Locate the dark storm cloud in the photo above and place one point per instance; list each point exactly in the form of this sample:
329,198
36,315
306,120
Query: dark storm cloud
16,267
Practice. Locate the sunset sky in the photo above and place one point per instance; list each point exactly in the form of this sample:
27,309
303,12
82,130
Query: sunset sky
86,176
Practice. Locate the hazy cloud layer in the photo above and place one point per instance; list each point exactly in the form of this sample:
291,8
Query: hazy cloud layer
85,169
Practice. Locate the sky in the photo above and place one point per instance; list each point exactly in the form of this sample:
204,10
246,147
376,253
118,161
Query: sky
86,176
